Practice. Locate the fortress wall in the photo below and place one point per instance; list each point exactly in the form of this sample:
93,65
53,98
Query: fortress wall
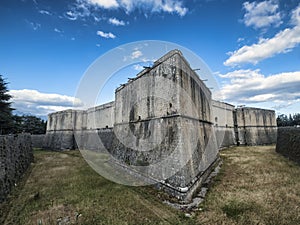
62,125
99,140
61,120
165,117
59,140
150,95
143,115
59,135
100,116
79,120
195,97
222,114
256,126
163,125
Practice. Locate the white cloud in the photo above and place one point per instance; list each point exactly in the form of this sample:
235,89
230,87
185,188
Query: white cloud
282,42
106,35
240,39
83,9
33,25
107,4
136,54
138,67
71,15
168,6
80,9
37,103
251,86
262,14
296,16
97,19
57,30
45,12
116,22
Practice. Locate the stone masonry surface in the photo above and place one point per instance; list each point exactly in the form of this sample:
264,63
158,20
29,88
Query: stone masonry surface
163,115
288,143
15,157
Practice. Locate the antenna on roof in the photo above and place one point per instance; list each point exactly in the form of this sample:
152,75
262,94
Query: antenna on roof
196,69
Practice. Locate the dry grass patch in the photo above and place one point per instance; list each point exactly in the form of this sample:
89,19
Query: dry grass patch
61,188
255,186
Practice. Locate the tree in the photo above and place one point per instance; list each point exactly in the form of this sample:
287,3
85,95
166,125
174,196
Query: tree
28,124
6,119
282,120
33,125
285,121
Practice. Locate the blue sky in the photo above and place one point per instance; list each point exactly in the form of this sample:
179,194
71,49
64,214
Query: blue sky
251,47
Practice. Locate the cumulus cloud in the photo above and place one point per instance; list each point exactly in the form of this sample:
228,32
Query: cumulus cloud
262,14
116,22
106,35
251,86
34,102
282,42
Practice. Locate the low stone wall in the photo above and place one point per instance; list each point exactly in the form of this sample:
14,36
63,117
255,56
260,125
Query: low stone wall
37,140
15,157
288,143
59,140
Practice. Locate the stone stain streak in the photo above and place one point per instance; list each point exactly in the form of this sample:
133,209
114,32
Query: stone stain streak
165,125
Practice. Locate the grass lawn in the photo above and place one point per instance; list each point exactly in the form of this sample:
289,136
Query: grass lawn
255,186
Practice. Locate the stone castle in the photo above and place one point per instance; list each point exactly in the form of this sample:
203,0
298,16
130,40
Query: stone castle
163,125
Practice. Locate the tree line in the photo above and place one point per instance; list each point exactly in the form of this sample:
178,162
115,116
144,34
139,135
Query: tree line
288,121
13,124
